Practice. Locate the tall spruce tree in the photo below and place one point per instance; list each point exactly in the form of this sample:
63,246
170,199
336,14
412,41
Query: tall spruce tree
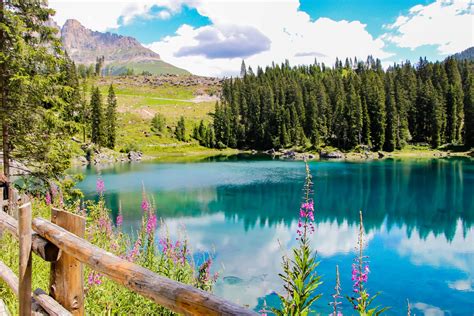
32,90
111,119
97,118
469,107
391,114
180,130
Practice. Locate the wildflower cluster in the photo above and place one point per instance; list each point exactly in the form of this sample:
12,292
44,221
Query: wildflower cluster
170,258
299,272
361,300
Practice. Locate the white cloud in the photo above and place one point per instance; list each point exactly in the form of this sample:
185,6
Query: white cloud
448,24
253,257
291,32
102,15
429,310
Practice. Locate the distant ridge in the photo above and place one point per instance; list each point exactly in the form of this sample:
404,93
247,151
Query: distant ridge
121,53
465,54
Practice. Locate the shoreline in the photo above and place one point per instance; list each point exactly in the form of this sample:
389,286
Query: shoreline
289,155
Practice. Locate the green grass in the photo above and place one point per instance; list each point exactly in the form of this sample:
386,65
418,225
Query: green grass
157,67
138,104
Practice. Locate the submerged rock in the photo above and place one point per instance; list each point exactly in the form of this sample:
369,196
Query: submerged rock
232,280
331,155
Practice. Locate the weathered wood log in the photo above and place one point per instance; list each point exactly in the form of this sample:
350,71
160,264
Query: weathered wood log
40,298
176,296
10,278
48,303
24,231
40,246
66,277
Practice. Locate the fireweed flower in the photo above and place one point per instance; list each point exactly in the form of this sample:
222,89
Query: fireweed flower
145,205
360,274
48,198
151,224
119,220
100,186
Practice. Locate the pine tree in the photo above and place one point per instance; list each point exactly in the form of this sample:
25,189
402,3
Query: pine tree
455,111
111,119
32,90
243,69
469,108
390,108
180,130
97,118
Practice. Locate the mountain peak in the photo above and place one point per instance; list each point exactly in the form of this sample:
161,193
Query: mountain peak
84,45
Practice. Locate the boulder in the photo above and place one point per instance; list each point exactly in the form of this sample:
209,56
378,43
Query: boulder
134,156
331,155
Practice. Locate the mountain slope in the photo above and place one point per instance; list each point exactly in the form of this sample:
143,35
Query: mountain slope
465,54
121,53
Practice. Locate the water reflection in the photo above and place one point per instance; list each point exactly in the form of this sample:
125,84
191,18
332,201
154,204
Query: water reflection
418,215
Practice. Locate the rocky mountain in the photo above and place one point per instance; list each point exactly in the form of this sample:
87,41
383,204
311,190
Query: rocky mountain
465,54
121,53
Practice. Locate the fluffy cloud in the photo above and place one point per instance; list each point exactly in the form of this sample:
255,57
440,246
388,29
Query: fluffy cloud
226,42
274,31
102,15
447,24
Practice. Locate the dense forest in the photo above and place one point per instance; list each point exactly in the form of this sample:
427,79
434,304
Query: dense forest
353,104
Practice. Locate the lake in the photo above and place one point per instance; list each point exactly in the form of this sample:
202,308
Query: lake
418,216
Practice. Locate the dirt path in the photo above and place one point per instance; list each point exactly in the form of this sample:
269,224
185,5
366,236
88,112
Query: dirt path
198,99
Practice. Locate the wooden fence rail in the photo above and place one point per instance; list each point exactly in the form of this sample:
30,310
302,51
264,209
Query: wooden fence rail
176,296
40,246
64,246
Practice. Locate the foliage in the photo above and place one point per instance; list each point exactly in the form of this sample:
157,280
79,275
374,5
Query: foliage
37,90
346,106
180,130
170,258
97,118
299,272
361,300
158,124
111,119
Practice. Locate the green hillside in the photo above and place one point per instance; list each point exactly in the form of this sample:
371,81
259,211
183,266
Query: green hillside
155,67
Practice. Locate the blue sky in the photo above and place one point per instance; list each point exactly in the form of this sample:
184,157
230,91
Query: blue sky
212,37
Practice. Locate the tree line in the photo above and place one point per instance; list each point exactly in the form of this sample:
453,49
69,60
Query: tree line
349,105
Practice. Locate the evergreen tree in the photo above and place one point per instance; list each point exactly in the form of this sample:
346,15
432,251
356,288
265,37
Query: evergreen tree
111,119
390,109
180,131
469,108
454,102
350,104
158,124
97,118
33,90
243,69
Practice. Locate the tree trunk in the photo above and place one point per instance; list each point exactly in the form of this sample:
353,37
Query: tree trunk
4,112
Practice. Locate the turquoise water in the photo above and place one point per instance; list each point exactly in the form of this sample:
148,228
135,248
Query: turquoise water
418,214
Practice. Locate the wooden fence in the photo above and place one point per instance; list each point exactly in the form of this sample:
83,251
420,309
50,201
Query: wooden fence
60,241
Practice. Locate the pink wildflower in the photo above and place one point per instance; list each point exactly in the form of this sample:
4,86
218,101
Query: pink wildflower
119,220
100,186
48,198
151,224
94,278
145,205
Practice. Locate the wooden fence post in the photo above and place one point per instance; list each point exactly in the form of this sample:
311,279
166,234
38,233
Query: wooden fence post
66,278
24,227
